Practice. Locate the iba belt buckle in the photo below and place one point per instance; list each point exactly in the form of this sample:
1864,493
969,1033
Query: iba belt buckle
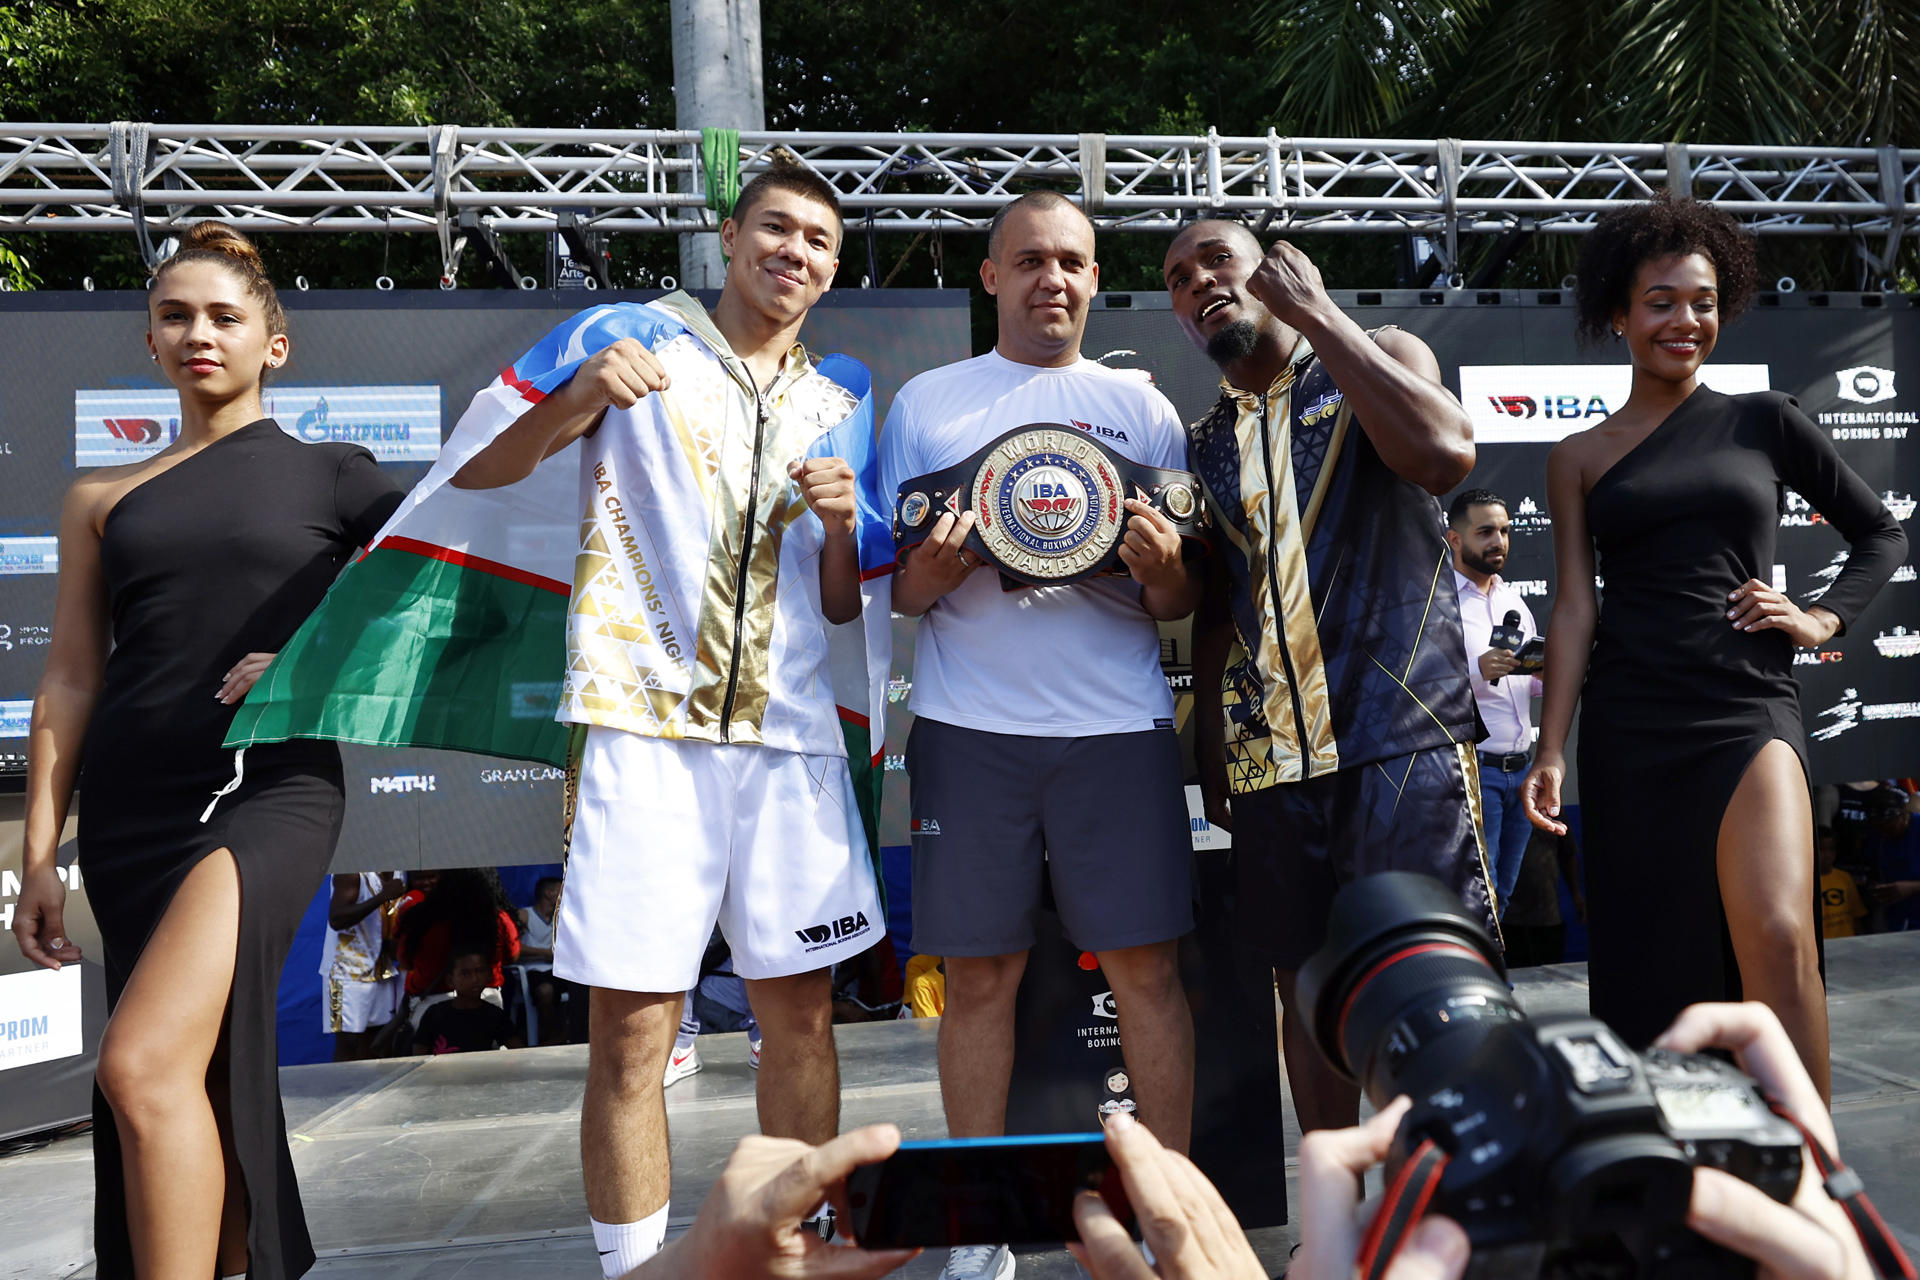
1048,504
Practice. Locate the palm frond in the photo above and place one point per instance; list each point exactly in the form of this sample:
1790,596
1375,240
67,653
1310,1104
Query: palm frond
1348,67
1717,71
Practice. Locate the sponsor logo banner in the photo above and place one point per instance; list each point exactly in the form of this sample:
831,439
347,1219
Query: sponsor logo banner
39,1016
1865,384
1545,403
1852,711
25,636
1527,516
15,716
29,555
395,424
402,784
1205,834
1897,643
522,773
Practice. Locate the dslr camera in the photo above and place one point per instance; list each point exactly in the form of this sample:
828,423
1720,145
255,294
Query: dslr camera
1569,1155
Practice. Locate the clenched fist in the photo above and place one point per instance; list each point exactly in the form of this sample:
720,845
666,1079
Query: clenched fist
614,377
1288,283
827,484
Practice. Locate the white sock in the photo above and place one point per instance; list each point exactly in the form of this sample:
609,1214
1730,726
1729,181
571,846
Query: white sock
625,1245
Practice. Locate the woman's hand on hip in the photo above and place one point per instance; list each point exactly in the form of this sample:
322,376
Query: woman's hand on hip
1756,606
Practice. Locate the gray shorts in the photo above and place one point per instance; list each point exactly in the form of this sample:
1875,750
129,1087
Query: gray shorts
1104,817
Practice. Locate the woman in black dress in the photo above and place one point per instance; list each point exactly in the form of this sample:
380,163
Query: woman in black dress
179,577
1698,824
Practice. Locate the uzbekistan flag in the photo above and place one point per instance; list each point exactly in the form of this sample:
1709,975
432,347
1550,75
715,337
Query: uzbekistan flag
450,631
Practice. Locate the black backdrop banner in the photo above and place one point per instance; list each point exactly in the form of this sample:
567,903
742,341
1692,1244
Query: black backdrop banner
1511,356
390,370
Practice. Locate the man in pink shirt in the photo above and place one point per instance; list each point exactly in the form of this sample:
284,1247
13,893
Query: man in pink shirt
1477,531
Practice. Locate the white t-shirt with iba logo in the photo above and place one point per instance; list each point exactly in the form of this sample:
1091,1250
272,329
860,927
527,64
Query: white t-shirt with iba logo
1051,662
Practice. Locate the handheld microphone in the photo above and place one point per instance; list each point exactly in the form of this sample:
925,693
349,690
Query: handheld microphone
1507,636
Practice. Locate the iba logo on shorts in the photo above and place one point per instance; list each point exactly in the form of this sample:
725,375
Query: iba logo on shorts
817,936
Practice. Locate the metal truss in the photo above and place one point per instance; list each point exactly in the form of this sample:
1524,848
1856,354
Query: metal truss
147,179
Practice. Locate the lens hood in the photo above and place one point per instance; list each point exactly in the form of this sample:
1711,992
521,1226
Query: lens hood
1375,918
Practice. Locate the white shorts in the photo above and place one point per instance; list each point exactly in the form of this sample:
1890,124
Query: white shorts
670,837
350,1005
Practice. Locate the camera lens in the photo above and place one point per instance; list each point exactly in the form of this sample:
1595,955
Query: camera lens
1406,975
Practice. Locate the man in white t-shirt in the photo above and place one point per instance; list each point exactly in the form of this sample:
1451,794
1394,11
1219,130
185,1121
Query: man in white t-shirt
1043,737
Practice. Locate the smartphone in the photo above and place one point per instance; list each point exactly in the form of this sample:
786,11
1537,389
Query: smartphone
958,1191
1532,656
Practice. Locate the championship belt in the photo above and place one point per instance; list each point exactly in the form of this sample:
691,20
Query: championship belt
1048,505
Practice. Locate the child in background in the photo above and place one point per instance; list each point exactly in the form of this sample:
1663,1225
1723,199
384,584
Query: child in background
1841,906
466,1023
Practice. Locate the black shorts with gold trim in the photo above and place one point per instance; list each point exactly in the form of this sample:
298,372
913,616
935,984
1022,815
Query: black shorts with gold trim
1296,843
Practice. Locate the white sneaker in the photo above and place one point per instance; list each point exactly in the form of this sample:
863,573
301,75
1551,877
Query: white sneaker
753,1053
979,1262
682,1064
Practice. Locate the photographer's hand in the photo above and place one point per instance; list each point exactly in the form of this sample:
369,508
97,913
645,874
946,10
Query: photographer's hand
1192,1233
1809,1239
1332,1162
749,1225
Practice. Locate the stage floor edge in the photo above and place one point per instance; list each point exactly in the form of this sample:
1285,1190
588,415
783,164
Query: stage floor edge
468,1165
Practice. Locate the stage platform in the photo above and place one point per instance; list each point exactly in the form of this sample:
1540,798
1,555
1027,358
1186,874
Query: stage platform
469,1165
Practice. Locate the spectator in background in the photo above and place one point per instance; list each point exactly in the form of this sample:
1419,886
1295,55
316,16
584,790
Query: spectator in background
1841,907
1477,534
419,885
926,988
356,997
465,908
1849,821
466,1023
548,992
718,1003
1533,928
1893,854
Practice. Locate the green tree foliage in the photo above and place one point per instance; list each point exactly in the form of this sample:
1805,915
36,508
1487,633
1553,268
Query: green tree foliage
1823,72
1715,71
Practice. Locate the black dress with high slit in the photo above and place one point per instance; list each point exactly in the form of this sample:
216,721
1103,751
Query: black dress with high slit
1677,703
222,555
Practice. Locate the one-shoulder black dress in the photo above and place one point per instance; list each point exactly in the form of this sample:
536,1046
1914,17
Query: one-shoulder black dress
1677,703
222,555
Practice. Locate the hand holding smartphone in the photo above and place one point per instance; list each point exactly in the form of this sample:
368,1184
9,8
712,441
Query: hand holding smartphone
959,1191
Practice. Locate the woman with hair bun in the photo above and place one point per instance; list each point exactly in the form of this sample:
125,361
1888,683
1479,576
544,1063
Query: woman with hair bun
180,575
1693,767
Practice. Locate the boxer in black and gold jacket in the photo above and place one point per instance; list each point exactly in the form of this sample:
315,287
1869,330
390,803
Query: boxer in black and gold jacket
1341,744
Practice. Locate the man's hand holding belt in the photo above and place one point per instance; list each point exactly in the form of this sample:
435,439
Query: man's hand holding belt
930,569
1048,506
1154,554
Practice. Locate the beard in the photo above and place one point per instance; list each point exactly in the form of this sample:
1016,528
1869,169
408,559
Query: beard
1479,564
1235,342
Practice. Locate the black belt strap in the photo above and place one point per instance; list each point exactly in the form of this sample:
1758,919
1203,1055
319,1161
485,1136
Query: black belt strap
921,502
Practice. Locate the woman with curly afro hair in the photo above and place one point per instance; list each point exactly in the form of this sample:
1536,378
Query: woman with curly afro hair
1693,772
